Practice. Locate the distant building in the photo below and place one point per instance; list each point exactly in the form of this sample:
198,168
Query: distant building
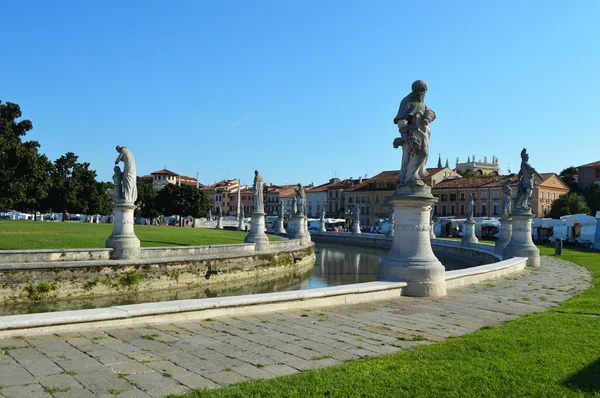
588,174
159,179
453,195
316,198
372,195
220,195
478,168
336,195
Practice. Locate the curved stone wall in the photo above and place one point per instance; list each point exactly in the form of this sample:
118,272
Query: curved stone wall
157,269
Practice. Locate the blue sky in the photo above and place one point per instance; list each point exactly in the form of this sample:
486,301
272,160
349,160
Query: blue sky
302,91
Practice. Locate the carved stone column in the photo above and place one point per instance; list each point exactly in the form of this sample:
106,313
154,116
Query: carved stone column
123,241
469,233
505,234
257,231
280,228
411,257
521,242
297,229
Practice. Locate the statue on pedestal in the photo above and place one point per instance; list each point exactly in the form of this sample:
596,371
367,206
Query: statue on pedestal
506,198
257,189
128,177
300,199
323,213
413,121
281,209
525,187
118,180
470,207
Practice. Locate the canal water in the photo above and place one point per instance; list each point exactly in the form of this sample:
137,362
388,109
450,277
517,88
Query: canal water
335,265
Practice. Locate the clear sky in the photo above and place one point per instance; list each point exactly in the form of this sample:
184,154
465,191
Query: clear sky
302,91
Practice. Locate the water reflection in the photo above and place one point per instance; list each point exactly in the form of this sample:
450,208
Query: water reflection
335,265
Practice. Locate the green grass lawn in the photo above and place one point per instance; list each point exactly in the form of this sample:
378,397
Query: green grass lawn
551,354
16,235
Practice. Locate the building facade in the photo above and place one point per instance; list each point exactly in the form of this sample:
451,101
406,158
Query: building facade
161,178
478,167
588,174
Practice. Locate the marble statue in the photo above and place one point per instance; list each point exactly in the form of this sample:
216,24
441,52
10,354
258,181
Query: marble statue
357,212
526,180
413,121
300,199
281,209
128,179
322,213
118,180
220,212
294,206
392,217
209,214
470,207
257,189
506,198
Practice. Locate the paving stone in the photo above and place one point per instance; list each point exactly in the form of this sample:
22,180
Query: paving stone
108,357
183,376
75,393
129,367
60,381
166,390
100,382
280,370
225,378
147,381
81,365
127,394
42,367
14,375
26,391
26,354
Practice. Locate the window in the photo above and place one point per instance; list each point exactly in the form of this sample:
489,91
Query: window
350,199
452,197
484,196
483,210
377,199
554,195
495,196
443,210
542,194
585,173
443,197
474,195
462,196
496,209
462,210
451,210
435,210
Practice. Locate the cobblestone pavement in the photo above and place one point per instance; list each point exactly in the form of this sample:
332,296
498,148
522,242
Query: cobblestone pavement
156,360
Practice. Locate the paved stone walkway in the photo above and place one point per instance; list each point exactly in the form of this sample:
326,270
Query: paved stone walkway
156,360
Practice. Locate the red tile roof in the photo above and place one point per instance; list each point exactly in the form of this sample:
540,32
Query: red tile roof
481,182
165,171
593,164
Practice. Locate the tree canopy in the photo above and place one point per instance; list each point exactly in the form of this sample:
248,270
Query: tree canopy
571,203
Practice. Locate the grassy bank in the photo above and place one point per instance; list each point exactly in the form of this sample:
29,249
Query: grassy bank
16,235
556,353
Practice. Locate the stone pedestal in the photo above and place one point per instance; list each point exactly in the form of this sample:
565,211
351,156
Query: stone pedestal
411,258
240,226
257,232
297,229
322,226
356,228
469,233
123,241
219,223
280,230
505,233
521,243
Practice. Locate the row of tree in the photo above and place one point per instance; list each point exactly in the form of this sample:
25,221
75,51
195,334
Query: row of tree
578,200
182,200
30,182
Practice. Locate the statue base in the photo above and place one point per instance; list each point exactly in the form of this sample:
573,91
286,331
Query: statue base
469,233
125,245
280,228
257,232
411,258
219,223
356,228
297,229
521,243
505,233
322,227
240,224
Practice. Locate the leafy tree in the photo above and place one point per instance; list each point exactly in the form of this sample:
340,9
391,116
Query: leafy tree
146,201
182,200
23,171
592,197
571,203
569,177
73,188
